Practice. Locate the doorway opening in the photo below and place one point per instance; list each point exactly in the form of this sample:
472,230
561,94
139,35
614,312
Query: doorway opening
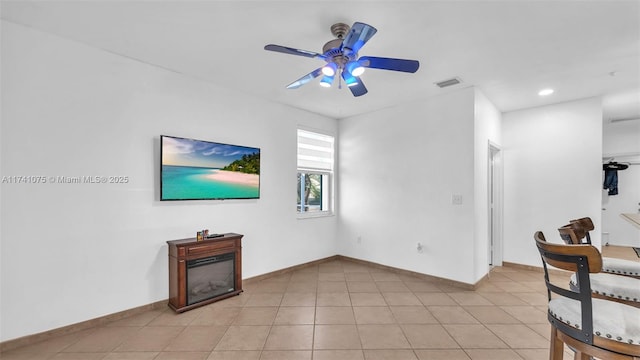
494,188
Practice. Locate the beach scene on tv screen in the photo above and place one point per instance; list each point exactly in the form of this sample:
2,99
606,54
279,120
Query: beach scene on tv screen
194,169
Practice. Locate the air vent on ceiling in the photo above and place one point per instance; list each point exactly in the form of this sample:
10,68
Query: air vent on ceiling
449,82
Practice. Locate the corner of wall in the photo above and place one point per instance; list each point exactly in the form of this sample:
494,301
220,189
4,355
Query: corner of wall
487,129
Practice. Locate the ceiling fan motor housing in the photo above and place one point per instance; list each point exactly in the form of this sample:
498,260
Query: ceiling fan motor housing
333,49
333,53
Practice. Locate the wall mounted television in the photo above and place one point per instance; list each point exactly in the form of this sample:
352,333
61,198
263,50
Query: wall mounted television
203,170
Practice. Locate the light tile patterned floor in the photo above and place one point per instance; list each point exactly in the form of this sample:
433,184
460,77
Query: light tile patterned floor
332,311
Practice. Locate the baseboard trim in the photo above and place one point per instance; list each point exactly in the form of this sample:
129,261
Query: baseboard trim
482,281
522,266
539,269
463,285
286,270
69,329
72,328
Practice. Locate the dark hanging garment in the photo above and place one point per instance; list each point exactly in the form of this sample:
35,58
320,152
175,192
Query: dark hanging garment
611,181
611,176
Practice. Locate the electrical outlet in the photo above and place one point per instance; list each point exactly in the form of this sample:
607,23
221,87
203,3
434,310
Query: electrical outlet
456,199
359,239
419,247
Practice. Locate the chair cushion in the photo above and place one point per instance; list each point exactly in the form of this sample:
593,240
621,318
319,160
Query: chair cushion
611,320
620,287
620,266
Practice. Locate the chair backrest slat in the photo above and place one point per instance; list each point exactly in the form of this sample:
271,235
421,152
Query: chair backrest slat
563,292
567,235
580,259
595,259
587,224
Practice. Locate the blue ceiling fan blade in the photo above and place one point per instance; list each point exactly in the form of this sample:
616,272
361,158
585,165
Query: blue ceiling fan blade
403,65
359,34
305,79
358,88
292,51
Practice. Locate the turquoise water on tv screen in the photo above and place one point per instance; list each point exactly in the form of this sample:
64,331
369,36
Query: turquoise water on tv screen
188,183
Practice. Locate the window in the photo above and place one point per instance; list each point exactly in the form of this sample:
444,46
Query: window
315,172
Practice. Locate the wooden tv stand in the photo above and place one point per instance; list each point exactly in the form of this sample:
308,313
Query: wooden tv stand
183,250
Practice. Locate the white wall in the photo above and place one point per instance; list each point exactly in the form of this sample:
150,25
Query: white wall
73,252
398,170
622,140
487,128
552,173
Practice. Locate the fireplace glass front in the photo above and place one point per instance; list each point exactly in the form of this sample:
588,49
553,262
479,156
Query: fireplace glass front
210,277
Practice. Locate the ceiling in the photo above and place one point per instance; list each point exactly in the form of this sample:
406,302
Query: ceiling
508,49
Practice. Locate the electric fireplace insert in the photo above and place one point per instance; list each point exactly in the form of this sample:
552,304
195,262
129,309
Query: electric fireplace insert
210,277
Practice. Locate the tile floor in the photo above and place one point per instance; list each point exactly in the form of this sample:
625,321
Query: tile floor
337,310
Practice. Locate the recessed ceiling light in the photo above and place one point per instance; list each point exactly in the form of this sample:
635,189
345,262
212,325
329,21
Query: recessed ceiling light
545,92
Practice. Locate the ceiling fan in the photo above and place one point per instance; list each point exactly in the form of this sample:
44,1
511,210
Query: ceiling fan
341,55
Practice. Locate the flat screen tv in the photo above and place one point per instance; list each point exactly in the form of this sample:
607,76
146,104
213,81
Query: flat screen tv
204,170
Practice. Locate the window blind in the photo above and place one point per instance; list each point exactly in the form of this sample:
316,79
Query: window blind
315,151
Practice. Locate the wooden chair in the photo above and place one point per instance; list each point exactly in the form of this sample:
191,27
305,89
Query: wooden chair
604,329
575,234
587,224
604,285
581,228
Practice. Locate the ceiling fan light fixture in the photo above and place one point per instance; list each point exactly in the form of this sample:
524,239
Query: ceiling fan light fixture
326,81
355,68
350,80
329,69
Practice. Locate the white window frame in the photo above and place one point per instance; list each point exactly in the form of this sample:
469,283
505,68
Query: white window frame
326,169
